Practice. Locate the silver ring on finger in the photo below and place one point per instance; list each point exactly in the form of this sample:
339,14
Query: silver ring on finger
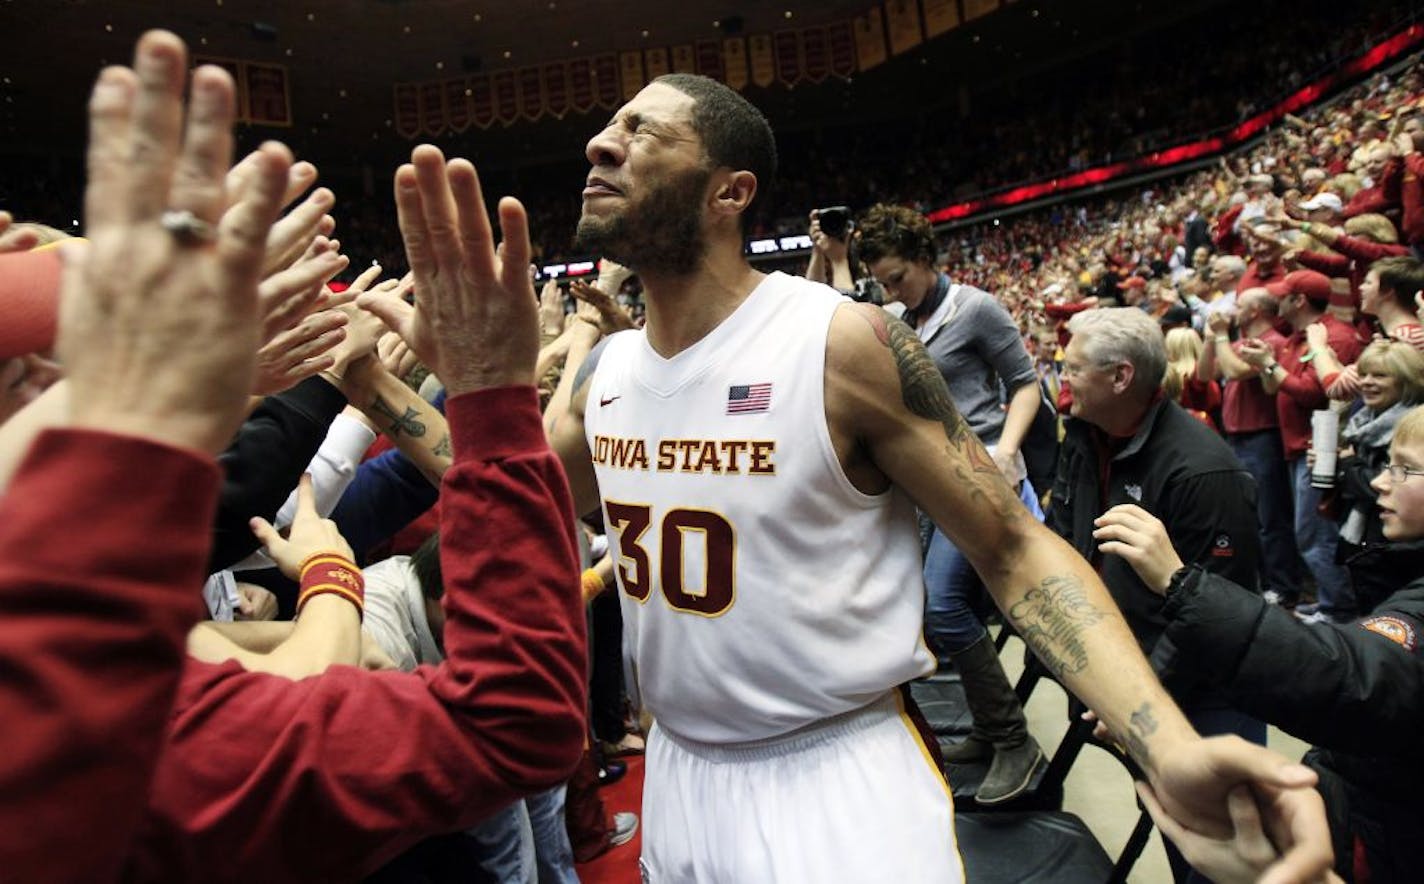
188,229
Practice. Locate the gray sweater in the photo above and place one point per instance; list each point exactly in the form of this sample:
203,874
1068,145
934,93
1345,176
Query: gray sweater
976,344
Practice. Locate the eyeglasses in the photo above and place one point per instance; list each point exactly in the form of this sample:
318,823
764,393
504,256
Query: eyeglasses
1069,369
1398,473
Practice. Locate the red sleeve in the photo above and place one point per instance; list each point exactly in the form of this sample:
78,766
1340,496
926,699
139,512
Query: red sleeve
1411,194
1330,265
103,542
329,777
1225,237
1364,250
1303,386
1064,311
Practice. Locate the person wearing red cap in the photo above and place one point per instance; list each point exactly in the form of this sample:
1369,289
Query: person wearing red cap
1291,373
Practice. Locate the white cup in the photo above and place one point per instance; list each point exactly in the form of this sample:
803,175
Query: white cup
1325,442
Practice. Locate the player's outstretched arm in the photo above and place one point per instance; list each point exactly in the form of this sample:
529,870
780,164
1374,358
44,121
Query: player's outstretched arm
891,416
566,437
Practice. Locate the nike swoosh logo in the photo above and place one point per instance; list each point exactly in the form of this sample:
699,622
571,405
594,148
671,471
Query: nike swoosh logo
603,402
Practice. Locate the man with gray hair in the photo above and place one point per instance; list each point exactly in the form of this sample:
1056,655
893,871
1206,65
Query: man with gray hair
1223,278
1127,444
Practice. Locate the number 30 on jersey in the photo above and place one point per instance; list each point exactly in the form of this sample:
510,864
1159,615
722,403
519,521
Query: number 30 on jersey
678,529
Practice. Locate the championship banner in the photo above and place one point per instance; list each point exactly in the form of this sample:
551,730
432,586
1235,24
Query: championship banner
789,68
815,54
734,58
581,85
840,40
763,60
710,60
432,108
234,69
457,105
975,8
482,101
605,80
506,97
407,111
869,39
268,101
657,63
531,93
941,16
630,73
902,19
556,88
684,59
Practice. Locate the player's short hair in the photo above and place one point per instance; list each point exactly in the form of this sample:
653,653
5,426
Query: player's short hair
425,561
1124,334
895,230
734,133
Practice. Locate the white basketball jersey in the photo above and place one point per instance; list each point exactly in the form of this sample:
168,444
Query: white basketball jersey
761,590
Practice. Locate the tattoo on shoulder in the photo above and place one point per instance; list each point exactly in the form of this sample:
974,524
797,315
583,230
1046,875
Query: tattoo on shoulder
921,385
1052,617
589,366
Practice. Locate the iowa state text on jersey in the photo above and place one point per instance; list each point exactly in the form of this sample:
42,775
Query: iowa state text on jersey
719,457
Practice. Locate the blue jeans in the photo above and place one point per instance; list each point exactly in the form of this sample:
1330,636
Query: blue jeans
552,851
504,844
951,625
1260,452
1317,537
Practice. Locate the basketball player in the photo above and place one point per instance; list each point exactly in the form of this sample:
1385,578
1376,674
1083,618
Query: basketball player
759,449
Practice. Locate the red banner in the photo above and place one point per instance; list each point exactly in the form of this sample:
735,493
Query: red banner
556,88
432,108
815,54
457,105
407,112
531,93
709,60
605,80
581,85
840,40
787,47
268,103
482,101
506,96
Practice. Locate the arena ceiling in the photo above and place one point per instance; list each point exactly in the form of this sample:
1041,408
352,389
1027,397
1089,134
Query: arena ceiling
343,57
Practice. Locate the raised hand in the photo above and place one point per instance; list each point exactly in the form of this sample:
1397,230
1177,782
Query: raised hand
551,309
1141,539
159,318
308,535
475,319
607,315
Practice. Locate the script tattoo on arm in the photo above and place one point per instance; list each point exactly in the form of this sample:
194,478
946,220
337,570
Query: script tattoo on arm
1140,725
1051,617
400,423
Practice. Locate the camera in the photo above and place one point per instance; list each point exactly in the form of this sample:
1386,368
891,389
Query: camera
835,221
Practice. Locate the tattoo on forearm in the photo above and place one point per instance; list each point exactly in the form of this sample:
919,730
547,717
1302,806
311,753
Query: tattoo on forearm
442,448
1140,725
400,423
1051,617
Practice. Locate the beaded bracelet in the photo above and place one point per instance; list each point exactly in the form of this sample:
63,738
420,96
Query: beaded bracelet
331,574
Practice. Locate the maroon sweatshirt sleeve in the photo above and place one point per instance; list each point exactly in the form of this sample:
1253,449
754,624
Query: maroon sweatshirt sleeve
1366,251
1330,265
329,777
103,539
1411,194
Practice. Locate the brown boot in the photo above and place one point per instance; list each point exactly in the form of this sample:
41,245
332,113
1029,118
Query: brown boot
998,722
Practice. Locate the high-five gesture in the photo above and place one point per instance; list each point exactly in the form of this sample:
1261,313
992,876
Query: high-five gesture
475,320
159,321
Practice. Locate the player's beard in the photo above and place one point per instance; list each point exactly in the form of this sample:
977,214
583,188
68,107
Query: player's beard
660,233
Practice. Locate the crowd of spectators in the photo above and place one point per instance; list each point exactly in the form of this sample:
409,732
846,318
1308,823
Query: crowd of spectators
434,678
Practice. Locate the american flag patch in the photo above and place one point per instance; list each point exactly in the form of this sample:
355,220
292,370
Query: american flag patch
748,398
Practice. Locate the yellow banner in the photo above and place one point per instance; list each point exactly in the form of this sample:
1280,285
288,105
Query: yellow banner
940,16
734,56
630,73
657,62
869,39
762,58
903,24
